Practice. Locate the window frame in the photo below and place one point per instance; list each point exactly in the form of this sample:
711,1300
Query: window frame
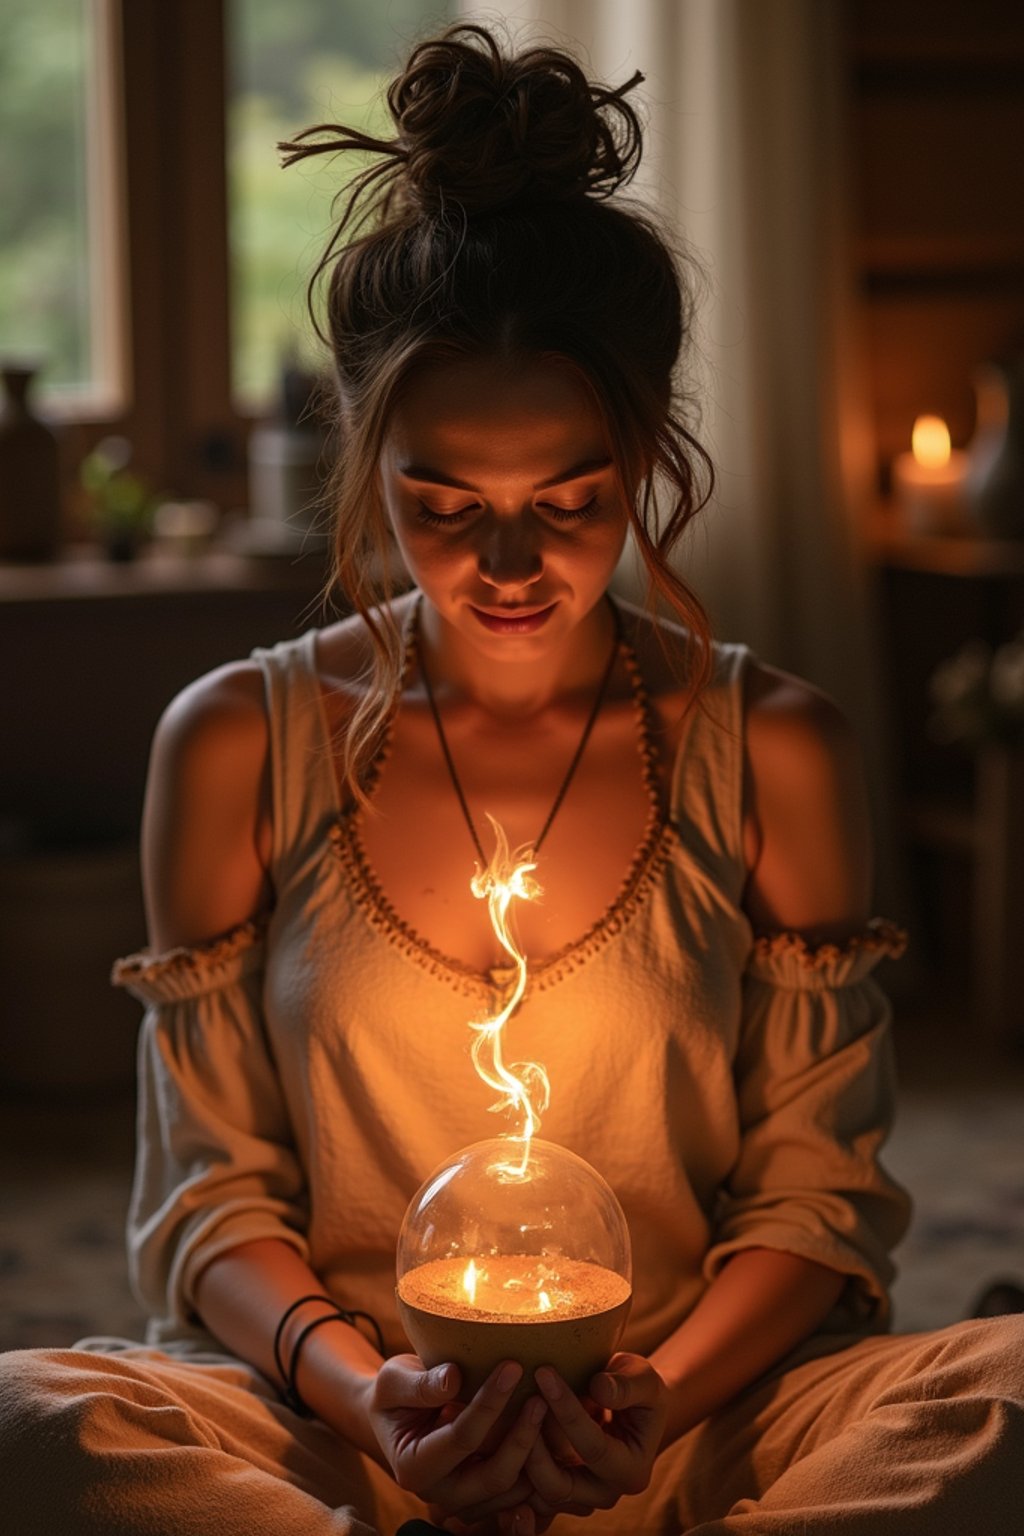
164,67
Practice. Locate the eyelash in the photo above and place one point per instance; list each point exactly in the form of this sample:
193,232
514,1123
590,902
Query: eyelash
581,514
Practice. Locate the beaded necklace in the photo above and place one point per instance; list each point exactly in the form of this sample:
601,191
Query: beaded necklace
595,710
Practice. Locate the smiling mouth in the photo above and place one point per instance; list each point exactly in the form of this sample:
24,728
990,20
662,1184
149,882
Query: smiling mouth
513,620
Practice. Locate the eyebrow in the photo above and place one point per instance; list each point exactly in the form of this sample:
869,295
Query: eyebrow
435,476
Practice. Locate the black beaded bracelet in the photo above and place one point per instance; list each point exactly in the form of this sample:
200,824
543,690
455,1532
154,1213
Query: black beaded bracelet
291,1393
292,1396
285,1315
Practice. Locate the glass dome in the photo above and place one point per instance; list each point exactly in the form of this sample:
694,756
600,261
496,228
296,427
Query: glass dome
477,1205
502,1255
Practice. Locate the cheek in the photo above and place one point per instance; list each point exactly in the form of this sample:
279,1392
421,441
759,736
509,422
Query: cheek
429,553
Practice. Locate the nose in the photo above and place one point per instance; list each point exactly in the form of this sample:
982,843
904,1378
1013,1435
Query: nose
510,555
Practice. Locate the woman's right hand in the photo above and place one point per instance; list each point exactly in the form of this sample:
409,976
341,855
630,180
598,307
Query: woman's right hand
432,1443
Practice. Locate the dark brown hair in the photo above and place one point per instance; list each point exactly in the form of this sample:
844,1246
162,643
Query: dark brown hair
485,227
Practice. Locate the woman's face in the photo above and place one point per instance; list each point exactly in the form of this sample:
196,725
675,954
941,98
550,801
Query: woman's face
504,500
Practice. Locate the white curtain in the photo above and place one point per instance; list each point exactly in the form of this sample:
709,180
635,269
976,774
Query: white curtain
746,161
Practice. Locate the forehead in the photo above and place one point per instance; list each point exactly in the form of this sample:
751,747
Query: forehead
489,415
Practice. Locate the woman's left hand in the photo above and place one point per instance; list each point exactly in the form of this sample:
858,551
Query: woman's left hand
604,1454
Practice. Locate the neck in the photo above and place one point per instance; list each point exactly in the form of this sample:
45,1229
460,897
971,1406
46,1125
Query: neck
517,689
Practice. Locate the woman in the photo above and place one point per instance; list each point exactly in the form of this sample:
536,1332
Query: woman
505,339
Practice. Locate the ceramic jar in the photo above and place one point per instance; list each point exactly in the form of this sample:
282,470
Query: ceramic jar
996,489
30,515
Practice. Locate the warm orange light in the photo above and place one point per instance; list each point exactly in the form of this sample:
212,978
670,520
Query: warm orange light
524,1087
469,1280
930,442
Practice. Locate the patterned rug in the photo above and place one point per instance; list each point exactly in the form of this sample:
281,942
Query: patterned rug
64,1174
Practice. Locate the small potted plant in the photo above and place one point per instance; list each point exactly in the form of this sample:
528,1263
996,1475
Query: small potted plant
121,503
977,699
977,695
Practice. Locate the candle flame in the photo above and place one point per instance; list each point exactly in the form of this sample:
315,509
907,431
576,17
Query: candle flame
930,442
545,1302
469,1280
523,1087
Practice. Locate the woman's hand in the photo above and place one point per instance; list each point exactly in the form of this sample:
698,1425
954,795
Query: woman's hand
433,1444
589,1460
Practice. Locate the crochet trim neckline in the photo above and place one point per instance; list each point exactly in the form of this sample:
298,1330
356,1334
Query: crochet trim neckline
654,849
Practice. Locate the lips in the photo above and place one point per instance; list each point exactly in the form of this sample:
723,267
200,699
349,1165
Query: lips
513,621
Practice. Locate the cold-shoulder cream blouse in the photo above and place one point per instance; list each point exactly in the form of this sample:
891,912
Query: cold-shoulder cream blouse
302,1075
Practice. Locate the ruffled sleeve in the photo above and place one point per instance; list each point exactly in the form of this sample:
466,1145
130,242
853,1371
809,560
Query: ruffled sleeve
815,1086
215,1164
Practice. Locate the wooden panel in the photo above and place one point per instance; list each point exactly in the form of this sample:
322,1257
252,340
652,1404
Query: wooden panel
922,349
84,680
965,29
941,178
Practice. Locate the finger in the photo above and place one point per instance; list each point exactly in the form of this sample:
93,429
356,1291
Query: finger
465,1434
517,1522
402,1382
552,1483
558,1445
594,1448
495,1484
488,1509
628,1381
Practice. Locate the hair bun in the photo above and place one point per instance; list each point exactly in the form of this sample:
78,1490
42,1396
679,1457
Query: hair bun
486,130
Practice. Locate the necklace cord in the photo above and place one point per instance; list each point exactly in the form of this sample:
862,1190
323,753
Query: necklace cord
595,710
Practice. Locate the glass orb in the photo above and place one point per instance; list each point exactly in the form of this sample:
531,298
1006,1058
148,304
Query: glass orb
478,1205
502,1255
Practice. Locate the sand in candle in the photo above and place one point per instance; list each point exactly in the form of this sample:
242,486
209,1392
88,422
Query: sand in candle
509,1288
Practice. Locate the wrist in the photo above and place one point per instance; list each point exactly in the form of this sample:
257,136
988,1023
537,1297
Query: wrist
330,1373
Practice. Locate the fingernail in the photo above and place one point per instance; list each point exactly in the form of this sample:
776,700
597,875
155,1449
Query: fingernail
444,1378
537,1411
509,1375
549,1383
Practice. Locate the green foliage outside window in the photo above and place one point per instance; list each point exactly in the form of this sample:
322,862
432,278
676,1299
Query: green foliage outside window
293,65
44,248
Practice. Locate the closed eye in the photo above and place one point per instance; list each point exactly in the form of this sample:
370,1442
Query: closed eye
434,519
571,514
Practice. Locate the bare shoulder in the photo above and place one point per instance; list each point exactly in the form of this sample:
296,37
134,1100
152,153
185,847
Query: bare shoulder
345,649
205,827
807,826
663,650
215,729
785,715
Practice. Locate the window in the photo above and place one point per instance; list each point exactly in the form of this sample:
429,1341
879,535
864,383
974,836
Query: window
153,253
293,65
60,293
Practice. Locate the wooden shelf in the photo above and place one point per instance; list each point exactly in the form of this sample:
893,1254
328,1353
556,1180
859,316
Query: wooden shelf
888,542
85,572
941,823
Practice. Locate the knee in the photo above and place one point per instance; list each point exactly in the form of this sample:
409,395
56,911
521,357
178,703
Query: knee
24,1376
59,1409
986,1358
30,1420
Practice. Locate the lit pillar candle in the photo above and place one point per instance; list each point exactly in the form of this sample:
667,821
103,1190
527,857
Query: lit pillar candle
929,481
558,1311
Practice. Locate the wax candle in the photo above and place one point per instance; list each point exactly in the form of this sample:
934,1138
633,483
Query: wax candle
928,482
537,1310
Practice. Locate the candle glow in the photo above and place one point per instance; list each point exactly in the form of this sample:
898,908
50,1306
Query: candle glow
515,1288
929,442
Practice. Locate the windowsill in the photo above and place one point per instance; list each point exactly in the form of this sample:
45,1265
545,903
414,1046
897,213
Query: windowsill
84,571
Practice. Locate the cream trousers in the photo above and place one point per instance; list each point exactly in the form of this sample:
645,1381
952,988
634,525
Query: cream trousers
916,1434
